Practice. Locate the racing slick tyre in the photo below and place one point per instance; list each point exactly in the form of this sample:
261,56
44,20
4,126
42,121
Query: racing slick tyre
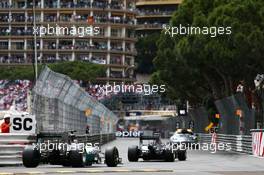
76,159
31,157
132,154
89,163
169,156
145,158
54,157
66,163
182,155
111,157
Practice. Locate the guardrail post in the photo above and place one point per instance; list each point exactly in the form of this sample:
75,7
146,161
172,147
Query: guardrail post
239,143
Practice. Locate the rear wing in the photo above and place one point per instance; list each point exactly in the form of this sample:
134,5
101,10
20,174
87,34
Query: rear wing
64,136
149,137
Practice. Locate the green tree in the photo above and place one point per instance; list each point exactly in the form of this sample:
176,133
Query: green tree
201,67
77,70
147,51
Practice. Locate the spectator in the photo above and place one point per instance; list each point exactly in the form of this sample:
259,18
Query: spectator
5,127
240,87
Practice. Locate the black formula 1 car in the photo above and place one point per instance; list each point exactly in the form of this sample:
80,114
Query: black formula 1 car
154,149
64,149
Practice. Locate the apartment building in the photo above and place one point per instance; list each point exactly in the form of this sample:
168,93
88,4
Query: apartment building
154,14
112,45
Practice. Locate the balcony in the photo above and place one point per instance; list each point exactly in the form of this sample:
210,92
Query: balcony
66,4
154,26
116,60
4,17
157,2
5,4
50,4
3,45
12,59
154,13
18,17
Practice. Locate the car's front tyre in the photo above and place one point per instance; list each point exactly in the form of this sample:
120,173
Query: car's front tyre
169,156
132,154
111,157
182,155
76,159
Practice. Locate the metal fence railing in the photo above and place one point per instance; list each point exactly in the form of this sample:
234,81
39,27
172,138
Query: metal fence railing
61,105
238,143
11,147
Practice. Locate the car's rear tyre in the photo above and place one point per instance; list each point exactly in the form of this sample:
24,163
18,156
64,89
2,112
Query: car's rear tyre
145,158
111,157
89,163
182,155
76,159
169,156
132,153
54,157
66,163
31,157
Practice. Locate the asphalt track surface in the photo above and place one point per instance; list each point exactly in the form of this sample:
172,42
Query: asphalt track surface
197,163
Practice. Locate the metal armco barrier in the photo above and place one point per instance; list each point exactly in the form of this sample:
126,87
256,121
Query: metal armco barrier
238,143
12,145
257,142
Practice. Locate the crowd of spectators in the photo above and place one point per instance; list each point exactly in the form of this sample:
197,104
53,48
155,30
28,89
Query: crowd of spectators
14,92
116,60
156,11
4,17
49,59
98,60
17,17
97,92
115,4
12,59
15,31
157,24
98,18
5,4
63,57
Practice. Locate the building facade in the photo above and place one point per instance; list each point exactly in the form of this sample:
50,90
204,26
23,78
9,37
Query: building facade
154,14
98,31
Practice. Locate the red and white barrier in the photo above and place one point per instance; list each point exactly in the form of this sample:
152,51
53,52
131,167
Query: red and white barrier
11,147
213,139
258,143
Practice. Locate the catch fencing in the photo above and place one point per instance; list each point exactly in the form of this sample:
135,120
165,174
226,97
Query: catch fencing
230,122
62,105
199,117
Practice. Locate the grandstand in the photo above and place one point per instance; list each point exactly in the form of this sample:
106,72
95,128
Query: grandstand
14,92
